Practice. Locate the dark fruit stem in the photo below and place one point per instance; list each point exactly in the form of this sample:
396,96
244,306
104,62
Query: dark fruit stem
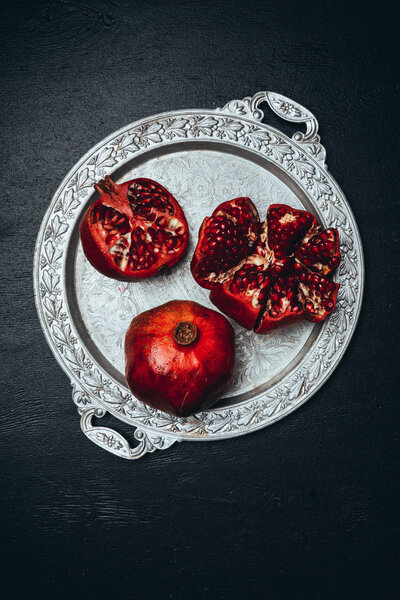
185,333
105,185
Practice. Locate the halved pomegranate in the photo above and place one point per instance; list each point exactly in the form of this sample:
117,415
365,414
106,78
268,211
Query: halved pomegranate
269,276
133,230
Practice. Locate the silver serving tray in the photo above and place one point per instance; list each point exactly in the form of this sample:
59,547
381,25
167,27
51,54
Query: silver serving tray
203,157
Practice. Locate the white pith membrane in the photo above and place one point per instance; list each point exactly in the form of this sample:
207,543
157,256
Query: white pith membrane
120,250
323,269
262,256
287,218
306,295
284,304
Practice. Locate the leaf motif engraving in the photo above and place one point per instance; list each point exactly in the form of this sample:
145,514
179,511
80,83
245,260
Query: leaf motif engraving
229,128
220,422
56,229
144,414
69,202
279,149
148,133
348,266
52,307
256,137
321,187
103,160
96,381
346,293
237,107
80,181
63,334
194,426
175,128
335,216
317,151
158,442
297,389
76,358
203,126
116,396
110,440
339,319
251,415
329,344
346,238
50,281
314,369
51,254
126,142
302,167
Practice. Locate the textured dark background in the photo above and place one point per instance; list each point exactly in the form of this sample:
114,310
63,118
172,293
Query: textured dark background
307,508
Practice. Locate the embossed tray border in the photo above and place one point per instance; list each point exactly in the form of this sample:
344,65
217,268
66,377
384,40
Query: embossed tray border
239,124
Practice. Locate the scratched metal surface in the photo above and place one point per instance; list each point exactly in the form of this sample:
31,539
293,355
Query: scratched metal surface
307,508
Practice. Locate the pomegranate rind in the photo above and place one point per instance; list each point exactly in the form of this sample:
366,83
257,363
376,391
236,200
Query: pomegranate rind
288,226
179,379
236,306
280,309
318,291
230,232
315,257
303,241
104,251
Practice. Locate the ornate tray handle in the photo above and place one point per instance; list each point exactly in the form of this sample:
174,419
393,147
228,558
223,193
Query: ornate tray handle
111,440
288,110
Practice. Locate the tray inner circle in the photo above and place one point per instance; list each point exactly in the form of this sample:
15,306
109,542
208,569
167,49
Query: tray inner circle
200,179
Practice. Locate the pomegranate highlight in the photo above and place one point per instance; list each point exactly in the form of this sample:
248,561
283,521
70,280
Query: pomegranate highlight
133,230
180,357
268,275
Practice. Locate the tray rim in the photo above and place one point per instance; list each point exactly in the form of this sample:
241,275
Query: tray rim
250,119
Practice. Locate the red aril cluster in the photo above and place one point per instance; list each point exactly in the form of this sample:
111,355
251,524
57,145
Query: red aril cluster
133,230
271,274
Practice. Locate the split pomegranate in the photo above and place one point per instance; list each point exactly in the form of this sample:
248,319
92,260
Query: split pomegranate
134,229
267,275
180,357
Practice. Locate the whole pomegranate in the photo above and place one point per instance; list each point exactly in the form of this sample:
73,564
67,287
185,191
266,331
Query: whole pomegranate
133,230
267,275
180,357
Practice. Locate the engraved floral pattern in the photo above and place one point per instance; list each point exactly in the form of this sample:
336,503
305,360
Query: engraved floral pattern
238,123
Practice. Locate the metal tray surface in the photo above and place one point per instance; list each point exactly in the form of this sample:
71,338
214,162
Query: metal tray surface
203,157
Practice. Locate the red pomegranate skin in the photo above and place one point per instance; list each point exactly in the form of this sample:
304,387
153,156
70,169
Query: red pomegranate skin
173,377
269,275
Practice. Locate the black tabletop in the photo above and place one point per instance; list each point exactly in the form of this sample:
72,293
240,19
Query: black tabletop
307,508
